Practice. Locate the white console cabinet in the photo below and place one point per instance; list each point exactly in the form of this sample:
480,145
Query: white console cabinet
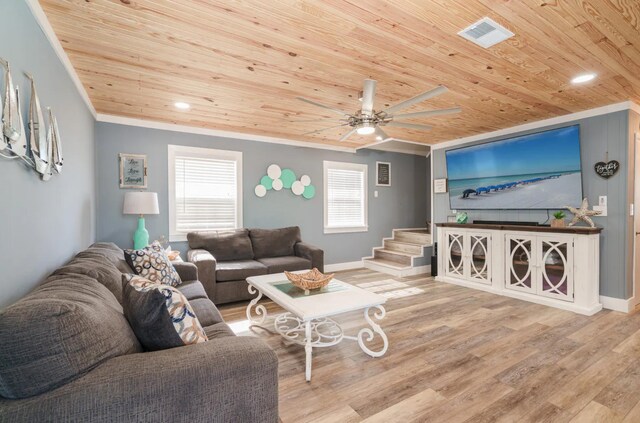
557,267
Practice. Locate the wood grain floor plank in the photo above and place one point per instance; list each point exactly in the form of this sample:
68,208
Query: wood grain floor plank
457,354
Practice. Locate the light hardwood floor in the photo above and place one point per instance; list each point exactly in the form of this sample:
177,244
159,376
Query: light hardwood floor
457,355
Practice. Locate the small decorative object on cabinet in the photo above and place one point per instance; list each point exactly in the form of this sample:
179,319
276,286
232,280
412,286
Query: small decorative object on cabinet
558,267
133,171
140,203
583,213
558,220
462,217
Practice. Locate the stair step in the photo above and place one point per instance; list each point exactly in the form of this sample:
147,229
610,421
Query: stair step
403,247
385,263
401,259
415,236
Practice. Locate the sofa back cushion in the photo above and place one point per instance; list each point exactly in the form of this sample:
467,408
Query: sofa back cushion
274,242
97,268
223,245
63,329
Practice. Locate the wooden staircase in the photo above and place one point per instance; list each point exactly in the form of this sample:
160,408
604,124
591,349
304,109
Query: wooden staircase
407,253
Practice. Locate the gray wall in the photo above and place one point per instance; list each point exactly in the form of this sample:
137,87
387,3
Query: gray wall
43,224
399,206
599,135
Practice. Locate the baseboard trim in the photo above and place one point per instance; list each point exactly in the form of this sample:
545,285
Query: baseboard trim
618,304
349,265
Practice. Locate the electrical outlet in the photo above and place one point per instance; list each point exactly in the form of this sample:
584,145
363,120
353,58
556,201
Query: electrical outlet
602,201
602,209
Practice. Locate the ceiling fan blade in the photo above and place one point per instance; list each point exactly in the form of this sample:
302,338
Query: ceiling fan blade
428,113
340,112
313,120
409,126
324,129
348,134
368,94
381,135
441,89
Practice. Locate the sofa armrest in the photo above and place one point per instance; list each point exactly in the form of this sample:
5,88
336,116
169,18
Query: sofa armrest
311,253
206,265
186,271
228,379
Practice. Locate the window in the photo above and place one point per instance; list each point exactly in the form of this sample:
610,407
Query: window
205,190
345,197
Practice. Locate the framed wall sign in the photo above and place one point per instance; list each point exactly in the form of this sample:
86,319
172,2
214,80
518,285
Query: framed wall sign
383,174
133,170
439,186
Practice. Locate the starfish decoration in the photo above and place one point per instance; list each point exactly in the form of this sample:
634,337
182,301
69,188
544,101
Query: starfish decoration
583,213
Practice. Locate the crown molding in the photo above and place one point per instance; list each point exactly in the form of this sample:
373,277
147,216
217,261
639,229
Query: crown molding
604,110
142,123
45,25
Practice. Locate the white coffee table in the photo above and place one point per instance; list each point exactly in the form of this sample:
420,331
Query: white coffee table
307,320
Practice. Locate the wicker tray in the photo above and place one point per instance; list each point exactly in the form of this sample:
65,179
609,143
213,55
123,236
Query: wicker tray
313,279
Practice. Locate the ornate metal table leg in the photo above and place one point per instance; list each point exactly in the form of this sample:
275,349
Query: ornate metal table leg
379,315
308,348
261,311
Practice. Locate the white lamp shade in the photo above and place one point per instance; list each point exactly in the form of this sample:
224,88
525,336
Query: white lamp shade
141,203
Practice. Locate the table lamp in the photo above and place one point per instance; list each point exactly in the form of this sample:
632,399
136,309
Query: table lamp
140,203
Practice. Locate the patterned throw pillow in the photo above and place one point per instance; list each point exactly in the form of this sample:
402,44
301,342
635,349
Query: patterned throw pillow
152,263
160,315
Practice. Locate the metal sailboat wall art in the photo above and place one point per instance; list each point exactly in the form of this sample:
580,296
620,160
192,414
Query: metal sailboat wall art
42,150
37,131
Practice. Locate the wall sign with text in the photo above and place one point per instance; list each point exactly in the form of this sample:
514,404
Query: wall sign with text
383,174
133,170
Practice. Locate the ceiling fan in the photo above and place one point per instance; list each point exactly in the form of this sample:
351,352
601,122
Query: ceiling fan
367,121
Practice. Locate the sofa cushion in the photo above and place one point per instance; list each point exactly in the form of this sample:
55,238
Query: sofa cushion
152,263
109,251
219,330
239,269
192,290
66,327
97,268
160,315
206,311
223,245
274,242
288,263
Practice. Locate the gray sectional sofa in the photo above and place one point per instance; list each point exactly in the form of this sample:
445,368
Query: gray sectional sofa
67,353
225,259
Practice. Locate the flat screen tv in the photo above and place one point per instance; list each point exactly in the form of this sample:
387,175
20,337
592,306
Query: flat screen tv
535,171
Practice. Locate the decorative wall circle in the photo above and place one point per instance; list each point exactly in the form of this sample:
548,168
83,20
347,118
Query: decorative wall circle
260,190
309,192
277,184
306,180
297,188
288,177
274,171
267,182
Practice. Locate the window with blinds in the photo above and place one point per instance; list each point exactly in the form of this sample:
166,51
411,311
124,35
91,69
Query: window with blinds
345,198
205,190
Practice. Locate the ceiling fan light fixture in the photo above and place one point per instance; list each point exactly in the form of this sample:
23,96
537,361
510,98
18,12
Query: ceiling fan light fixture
365,129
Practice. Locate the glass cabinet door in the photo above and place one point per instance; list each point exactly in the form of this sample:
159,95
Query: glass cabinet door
520,261
555,269
480,261
455,251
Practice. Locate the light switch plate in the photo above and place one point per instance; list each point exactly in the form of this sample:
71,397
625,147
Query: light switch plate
375,194
602,209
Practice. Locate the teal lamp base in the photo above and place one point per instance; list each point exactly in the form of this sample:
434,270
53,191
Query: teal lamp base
141,235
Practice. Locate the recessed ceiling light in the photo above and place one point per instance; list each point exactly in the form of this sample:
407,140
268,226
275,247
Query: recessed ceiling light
182,105
581,79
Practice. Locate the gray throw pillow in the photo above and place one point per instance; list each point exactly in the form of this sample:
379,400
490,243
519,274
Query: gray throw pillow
152,263
160,315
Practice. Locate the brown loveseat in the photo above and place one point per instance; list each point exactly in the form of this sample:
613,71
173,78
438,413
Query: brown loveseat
68,354
225,259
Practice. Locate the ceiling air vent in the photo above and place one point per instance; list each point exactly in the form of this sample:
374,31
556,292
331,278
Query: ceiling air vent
486,33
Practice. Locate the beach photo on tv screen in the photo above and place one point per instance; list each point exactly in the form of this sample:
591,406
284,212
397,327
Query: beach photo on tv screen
534,171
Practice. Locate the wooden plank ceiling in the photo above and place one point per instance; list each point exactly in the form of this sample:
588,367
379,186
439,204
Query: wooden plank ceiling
241,64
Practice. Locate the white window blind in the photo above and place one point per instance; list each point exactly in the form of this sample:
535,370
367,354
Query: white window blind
345,197
206,191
